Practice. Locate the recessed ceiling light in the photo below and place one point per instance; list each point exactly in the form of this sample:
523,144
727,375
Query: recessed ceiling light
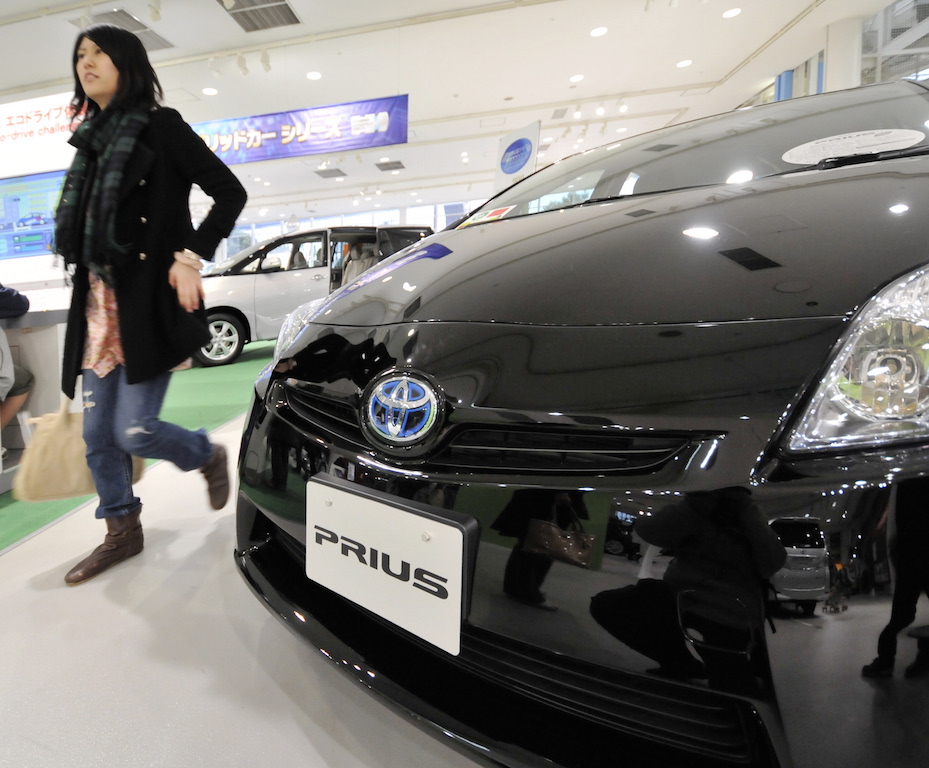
598,32
576,78
621,130
267,183
209,91
684,63
313,75
732,12
394,173
548,140
419,201
340,178
899,208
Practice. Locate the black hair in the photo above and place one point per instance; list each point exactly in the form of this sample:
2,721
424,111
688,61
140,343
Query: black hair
138,84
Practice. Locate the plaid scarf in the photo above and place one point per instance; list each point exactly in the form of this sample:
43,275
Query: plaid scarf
91,190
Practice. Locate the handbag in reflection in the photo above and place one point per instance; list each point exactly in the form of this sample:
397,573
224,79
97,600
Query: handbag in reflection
54,463
572,545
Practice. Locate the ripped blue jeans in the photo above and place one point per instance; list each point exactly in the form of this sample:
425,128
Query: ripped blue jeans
121,421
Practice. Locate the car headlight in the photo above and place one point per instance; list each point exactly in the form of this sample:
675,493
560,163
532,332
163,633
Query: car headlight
876,390
295,322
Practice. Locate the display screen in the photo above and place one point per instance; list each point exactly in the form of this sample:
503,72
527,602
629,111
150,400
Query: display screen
27,211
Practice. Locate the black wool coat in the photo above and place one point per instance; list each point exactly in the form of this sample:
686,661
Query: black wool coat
154,217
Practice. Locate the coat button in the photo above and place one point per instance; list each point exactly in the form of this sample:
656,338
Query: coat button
144,220
142,183
143,256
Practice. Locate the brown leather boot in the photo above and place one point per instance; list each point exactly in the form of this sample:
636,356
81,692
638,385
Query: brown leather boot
123,540
216,472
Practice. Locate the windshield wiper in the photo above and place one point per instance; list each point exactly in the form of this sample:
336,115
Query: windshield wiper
845,160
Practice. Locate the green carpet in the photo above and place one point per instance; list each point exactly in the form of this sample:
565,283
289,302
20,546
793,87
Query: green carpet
198,397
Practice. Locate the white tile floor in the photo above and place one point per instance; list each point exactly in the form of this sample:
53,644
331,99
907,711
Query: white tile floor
168,660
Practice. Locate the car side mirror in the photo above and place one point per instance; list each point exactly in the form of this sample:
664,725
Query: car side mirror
271,264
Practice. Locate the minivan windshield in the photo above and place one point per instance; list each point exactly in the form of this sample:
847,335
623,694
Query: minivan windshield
735,148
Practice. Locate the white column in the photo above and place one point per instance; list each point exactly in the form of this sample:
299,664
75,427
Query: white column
843,54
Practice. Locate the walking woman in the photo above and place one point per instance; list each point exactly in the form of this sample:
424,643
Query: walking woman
123,228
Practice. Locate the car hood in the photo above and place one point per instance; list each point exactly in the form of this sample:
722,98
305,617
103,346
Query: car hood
810,244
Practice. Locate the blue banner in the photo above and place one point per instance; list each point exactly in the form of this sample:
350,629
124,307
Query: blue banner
315,131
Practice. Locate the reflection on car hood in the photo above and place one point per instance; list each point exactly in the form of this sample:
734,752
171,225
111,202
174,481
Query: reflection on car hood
811,244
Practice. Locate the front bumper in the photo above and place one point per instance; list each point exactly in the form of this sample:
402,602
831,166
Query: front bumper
512,703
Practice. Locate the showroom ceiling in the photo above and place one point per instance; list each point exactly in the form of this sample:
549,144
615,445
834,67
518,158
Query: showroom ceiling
475,70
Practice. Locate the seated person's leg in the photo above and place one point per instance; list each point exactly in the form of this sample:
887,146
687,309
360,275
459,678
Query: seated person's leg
16,397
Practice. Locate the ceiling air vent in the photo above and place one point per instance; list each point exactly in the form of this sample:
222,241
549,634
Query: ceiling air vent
330,173
558,114
127,21
390,165
750,259
253,15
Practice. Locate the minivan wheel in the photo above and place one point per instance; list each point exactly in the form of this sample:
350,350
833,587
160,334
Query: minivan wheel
614,547
227,342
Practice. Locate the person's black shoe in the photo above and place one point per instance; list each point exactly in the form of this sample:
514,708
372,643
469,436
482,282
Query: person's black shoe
919,668
878,668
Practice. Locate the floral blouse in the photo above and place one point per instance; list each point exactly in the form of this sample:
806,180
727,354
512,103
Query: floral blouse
103,350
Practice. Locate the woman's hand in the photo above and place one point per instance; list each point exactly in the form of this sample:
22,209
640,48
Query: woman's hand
185,279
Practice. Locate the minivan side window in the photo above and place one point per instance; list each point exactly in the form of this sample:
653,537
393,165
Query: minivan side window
309,254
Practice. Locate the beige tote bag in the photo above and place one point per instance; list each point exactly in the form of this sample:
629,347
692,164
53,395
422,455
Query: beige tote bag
54,464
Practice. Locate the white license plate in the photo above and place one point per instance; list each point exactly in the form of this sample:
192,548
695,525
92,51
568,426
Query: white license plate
402,564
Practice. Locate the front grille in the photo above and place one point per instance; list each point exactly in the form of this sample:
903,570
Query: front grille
519,448
546,451
697,722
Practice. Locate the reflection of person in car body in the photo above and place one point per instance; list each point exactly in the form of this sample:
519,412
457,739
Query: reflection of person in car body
723,550
909,551
525,571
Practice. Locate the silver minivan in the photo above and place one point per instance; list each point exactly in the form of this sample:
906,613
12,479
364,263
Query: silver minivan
804,579
249,295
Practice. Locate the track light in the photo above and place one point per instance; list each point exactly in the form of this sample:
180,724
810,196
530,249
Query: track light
243,65
154,10
266,61
230,4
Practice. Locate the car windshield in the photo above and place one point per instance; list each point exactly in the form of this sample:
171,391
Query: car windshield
734,147
799,533
214,268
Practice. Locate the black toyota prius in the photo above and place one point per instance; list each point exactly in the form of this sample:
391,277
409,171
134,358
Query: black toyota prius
707,344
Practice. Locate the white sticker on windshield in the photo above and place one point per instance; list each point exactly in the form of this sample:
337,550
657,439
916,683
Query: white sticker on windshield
857,143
